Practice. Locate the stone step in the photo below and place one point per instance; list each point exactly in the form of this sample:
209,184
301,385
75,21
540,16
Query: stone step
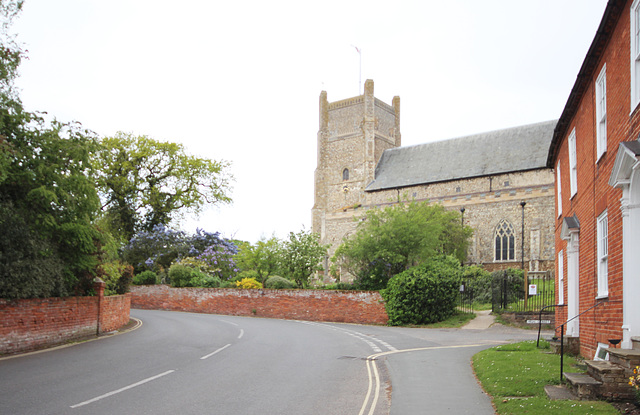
614,379
559,393
627,358
582,385
604,371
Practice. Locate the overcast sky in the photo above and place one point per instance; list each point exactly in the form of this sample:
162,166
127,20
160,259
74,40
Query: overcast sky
240,80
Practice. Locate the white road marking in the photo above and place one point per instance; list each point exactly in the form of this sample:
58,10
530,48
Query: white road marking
369,339
241,334
106,395
217,351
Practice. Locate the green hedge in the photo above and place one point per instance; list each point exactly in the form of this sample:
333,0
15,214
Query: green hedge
145,278
279,283
423,294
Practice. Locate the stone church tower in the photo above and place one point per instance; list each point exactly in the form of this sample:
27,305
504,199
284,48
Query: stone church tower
497,180
352,136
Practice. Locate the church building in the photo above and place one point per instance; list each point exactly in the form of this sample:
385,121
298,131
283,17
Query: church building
499,181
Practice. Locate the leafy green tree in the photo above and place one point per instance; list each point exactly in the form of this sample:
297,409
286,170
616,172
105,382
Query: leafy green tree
45,189
301,256
264,257
10,52
144,182
391,240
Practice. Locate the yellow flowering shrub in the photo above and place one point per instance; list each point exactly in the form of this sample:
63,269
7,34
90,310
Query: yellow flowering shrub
248,284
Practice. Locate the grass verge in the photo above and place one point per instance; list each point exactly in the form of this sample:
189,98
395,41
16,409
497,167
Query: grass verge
457,320
514,375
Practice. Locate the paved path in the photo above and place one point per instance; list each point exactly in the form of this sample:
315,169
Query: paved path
483,321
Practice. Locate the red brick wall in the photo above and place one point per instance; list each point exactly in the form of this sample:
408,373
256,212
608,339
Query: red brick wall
115,312
44,322
363,307
594,193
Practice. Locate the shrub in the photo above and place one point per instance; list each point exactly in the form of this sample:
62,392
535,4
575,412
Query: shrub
200,279
180,275
248,284
279,283
117,277
423,294
146,278
219,260
478,284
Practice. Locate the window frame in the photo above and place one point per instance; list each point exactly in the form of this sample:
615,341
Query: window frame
559,190
634,53
601,113
500,253
561,277
602,241
573,164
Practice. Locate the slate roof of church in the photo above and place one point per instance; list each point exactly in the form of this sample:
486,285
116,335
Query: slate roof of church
503,151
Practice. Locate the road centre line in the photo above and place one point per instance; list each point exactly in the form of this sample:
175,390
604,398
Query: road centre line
366,398
217,351
241,334
133,385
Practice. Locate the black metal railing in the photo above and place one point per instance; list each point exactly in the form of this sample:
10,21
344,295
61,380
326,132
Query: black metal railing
561,327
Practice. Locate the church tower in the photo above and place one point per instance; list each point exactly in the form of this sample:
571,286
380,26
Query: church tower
352,135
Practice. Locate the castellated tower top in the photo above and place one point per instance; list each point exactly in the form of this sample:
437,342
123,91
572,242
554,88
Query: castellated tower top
353,133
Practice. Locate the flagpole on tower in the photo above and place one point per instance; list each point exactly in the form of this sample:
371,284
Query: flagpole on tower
360,70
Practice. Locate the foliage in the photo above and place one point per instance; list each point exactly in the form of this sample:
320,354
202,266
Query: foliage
301,256
156,249
391,240
204,280
635,382
10,52
514,280
423,294
515,375
146,278
181,275
248,284
29,265
219,261
264,257
145,182
478,284
117,277
278,283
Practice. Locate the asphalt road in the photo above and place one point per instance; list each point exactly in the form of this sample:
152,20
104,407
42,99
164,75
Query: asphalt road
184,363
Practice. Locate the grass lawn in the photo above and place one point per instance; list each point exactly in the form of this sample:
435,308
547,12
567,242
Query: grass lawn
515,375
457,320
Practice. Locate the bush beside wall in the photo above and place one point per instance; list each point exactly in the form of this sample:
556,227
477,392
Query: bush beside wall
362,307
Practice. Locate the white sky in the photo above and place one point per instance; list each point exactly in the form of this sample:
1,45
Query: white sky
240,80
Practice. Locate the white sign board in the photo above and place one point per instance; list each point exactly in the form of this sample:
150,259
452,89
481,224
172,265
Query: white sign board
533,289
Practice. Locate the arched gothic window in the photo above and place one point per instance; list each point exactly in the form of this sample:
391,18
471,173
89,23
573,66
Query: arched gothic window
505,242
345,175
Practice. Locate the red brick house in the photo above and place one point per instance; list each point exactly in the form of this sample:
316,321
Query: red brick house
595,153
